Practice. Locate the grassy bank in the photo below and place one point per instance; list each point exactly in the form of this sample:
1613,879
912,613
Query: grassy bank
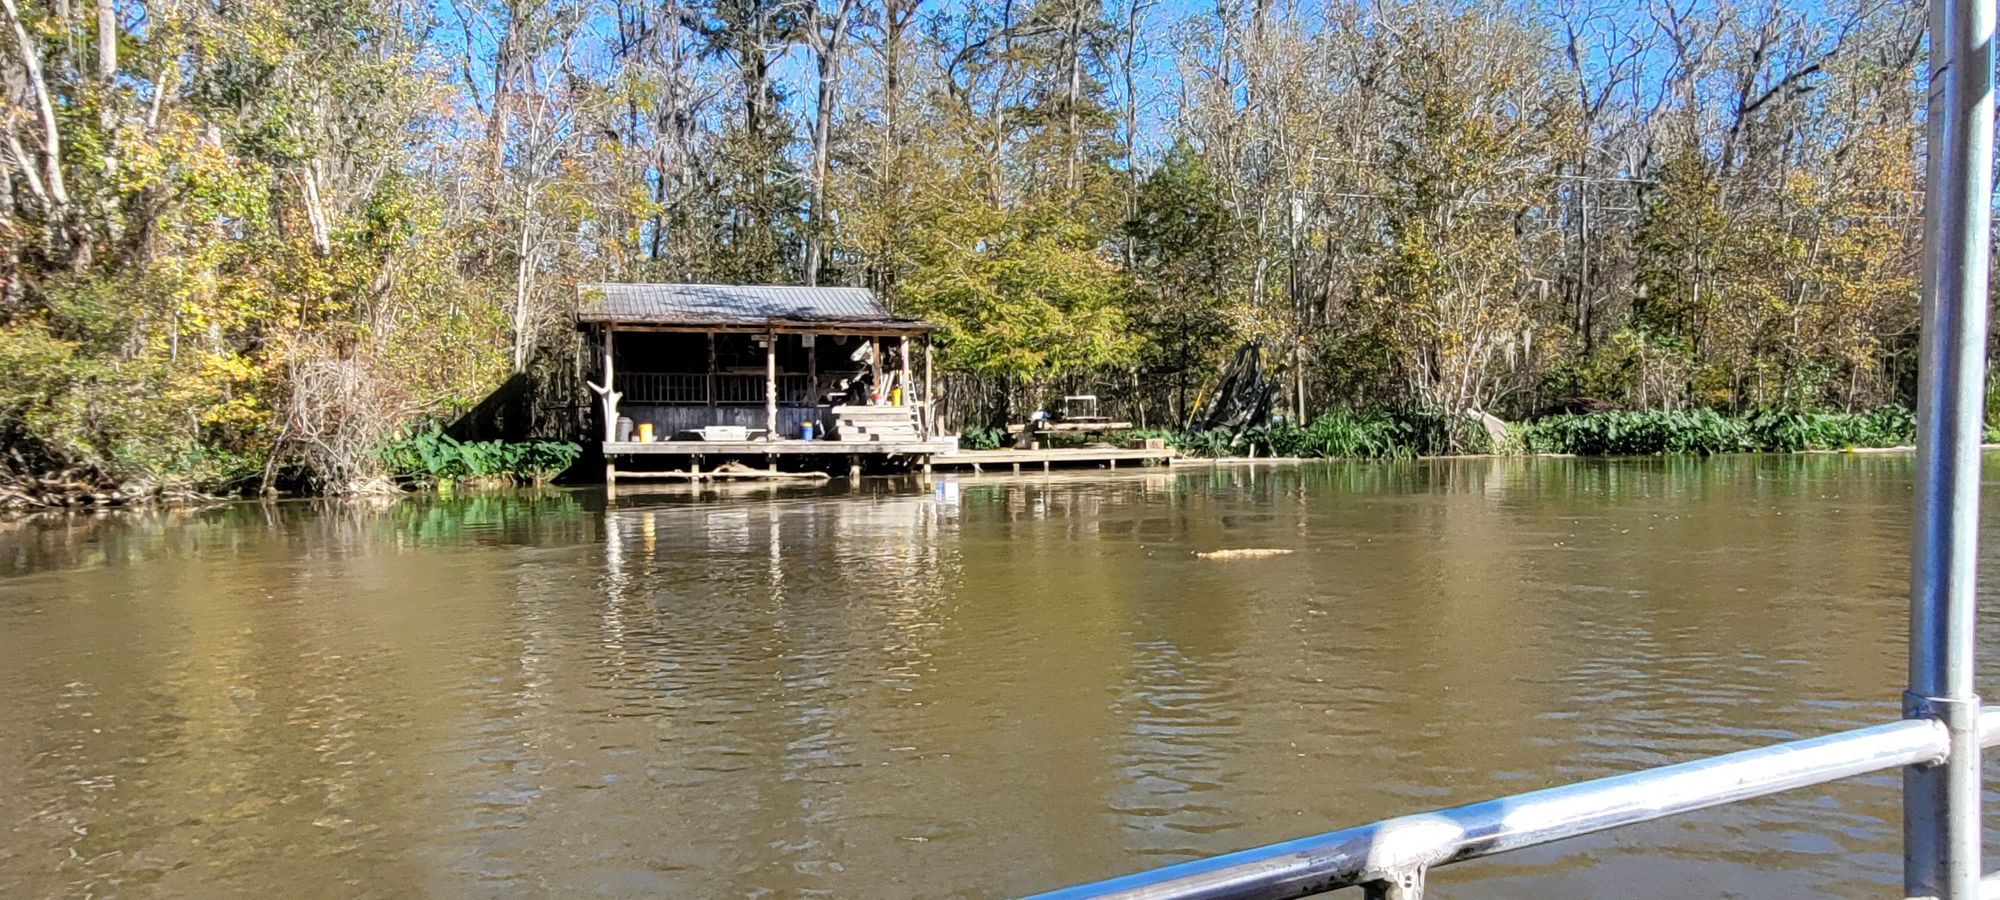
1392,434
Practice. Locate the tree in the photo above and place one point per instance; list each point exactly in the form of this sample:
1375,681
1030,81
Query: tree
242,243
1184,245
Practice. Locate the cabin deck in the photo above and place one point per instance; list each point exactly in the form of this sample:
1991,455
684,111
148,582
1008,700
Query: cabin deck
918,451
928,454
780,447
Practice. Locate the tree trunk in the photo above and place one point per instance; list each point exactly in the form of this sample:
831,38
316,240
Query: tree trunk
1074,38
54,194
830,43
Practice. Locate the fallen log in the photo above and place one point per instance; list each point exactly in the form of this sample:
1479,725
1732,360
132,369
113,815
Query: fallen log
1243,553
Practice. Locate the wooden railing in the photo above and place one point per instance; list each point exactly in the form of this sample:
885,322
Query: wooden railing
663,387
692,388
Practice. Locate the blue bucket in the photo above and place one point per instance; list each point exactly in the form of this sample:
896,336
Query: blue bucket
806,430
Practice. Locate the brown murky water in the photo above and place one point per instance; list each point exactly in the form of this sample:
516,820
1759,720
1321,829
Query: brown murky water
979,687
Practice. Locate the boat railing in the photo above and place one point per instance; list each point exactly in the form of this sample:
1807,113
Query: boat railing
1391,858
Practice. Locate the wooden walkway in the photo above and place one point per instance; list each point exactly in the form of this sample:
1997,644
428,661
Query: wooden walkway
926,455
983,460
782,447
694,453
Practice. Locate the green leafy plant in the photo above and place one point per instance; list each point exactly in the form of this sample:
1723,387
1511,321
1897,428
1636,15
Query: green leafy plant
1341,434
982,438
1704,431
438,457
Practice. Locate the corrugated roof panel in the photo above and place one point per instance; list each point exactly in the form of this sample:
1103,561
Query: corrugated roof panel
720,304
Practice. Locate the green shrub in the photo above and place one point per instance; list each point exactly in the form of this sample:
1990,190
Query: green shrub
1211,444
1705,431
439,457
1637,433
982,438
1417,432
543,460
1341,434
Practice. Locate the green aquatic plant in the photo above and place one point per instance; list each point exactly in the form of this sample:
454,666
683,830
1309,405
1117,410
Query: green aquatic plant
1340,434
440,458
1706,431
1345,434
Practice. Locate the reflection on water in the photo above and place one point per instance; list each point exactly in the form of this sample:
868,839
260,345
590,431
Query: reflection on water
962,687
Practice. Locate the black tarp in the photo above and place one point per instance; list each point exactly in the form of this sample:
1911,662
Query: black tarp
1244,398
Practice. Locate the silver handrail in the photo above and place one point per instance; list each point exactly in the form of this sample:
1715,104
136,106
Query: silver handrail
1392,856
1938,742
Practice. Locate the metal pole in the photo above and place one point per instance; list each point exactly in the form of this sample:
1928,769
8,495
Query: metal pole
1941,803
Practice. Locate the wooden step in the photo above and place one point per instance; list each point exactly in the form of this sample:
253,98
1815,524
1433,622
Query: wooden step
874,439
874,412
876,436
874,424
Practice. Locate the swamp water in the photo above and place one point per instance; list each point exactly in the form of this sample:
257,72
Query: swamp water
971,687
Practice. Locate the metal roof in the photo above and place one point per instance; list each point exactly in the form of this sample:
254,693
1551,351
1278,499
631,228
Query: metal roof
722,304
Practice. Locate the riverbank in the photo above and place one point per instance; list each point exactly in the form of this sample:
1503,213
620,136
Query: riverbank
432,458
1701,432
407,463
1293,460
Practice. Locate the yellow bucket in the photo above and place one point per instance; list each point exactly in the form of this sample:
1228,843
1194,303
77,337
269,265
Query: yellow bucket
645,432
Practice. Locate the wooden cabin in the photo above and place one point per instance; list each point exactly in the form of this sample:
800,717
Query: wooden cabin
722,371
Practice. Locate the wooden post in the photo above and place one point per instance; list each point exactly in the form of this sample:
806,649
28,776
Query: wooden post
930,404
812,372
854,467
875,364
709,389
771,386
608,391
610,388
903,351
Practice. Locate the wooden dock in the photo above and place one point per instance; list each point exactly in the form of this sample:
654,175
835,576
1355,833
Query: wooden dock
1047,458
782,447
702,457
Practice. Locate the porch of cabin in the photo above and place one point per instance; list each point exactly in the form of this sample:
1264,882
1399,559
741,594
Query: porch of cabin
681,382
865,394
